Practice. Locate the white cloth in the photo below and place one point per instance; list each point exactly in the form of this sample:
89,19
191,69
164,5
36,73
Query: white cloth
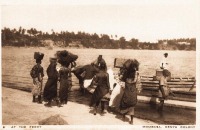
37,88
111,78
58,67
164,63
116,96
87,83
117,92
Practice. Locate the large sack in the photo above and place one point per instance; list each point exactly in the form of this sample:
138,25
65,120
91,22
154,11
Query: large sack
116,96
65,58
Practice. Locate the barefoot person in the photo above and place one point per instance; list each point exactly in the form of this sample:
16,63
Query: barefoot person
37,75
50,90
129,75
101,80
163,89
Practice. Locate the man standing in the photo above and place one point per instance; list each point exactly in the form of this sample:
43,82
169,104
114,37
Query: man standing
164,63
99,61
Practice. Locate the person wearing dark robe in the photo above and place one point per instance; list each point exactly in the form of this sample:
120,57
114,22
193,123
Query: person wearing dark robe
101,80
50,90
129,98
99,61
64,78
67,59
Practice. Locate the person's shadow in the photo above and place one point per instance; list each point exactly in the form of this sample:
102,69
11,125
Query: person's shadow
120,117
98,111
53,104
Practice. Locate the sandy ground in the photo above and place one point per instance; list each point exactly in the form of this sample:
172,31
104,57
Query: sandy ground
18,109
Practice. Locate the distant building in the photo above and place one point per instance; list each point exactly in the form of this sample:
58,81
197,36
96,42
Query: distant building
165,42
186,43
75,44
48,42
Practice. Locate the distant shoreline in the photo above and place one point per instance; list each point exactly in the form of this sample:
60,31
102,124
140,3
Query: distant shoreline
86,48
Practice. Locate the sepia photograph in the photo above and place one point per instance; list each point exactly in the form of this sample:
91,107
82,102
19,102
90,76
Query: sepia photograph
126,65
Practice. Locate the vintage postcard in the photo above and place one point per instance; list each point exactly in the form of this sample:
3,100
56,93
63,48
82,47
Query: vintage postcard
99,65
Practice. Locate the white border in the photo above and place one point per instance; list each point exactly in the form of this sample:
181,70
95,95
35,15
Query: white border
113,2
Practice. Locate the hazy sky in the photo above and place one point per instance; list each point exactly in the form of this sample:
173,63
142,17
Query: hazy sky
145,20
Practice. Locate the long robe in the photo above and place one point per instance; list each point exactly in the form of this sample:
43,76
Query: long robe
129,98
64,83
103,86
50,90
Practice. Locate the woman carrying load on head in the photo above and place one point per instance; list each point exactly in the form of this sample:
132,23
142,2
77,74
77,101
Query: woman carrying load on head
101,79
37,75
63,77
64,74
50,90
67,59
129,74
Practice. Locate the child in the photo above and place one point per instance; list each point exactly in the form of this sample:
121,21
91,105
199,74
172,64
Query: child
37,75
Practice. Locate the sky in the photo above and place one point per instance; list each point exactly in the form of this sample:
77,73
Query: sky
145,20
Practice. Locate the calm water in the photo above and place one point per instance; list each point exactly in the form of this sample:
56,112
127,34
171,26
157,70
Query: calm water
18,61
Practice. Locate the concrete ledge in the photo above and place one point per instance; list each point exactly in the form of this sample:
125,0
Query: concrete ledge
170,103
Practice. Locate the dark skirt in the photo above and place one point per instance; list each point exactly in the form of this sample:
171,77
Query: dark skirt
98,94
64,87
50,89
129,99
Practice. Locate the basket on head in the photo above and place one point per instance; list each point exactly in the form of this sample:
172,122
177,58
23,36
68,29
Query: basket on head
65,58
131,63
38,55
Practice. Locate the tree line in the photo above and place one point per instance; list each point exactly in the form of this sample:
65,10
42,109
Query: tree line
32,37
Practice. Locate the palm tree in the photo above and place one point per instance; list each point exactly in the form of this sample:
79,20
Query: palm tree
122,41
23,31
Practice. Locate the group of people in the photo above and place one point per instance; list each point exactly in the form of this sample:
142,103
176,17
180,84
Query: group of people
97,71
59,78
